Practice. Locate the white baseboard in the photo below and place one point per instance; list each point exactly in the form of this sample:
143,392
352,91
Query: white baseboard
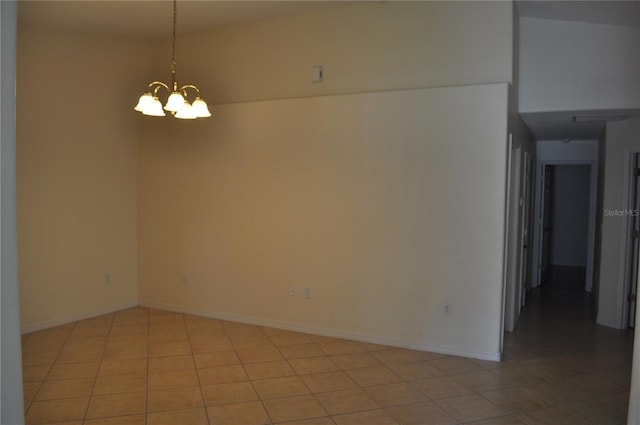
34,327
373,339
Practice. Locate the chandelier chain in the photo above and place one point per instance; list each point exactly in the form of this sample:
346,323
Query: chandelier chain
173,45
177,104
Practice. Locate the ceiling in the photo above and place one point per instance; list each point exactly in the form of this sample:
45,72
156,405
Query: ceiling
152,18
608,12
561,125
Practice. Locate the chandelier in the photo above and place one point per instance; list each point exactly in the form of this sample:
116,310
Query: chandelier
177,103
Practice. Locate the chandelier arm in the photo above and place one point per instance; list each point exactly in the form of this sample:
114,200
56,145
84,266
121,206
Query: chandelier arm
184,88
155,85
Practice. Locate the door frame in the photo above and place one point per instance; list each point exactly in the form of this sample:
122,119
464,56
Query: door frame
526,215
513,238
539,205
625,260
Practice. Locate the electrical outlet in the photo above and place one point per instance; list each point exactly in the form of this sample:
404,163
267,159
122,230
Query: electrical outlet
448,310
107,279
292,291
185,280
308,293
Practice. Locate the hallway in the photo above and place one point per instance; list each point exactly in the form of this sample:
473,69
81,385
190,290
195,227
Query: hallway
561,354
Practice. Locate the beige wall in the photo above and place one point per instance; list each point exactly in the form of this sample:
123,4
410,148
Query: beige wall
387,205
76,165
366,47
360,198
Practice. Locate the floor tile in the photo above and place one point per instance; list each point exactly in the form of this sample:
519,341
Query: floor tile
280,387
340,347
129,329
172,379
266,370
215,359
235,392
262,354
395,356
209,344
104,406
289,339
416,370
52,411
439,388
455,365
29,390
39,358
306,366
294,408
597,412
159,349
346,401
369,417
328,381
516,400
291,352
503,420
179,417
468,408
314,421
421,414
67,388
485,380
73,370
355,361
395,394
222,375
371,376
120,420
550,416
249,413
128,367
119,384
174,399
35,373
171,363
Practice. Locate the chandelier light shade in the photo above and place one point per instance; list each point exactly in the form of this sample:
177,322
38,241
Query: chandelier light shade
178,102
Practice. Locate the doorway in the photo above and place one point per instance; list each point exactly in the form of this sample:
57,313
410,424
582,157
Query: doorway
565,220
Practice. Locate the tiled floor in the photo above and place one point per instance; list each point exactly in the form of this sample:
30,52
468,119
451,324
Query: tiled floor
149,367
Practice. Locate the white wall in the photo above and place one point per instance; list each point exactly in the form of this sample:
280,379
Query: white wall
363,47
387,205
569,65
570,215
77,173
576,150
622,138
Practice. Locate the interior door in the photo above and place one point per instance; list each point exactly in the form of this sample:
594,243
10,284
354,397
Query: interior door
546,221
634,240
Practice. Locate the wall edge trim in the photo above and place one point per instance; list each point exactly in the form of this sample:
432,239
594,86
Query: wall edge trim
46,324
356,336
